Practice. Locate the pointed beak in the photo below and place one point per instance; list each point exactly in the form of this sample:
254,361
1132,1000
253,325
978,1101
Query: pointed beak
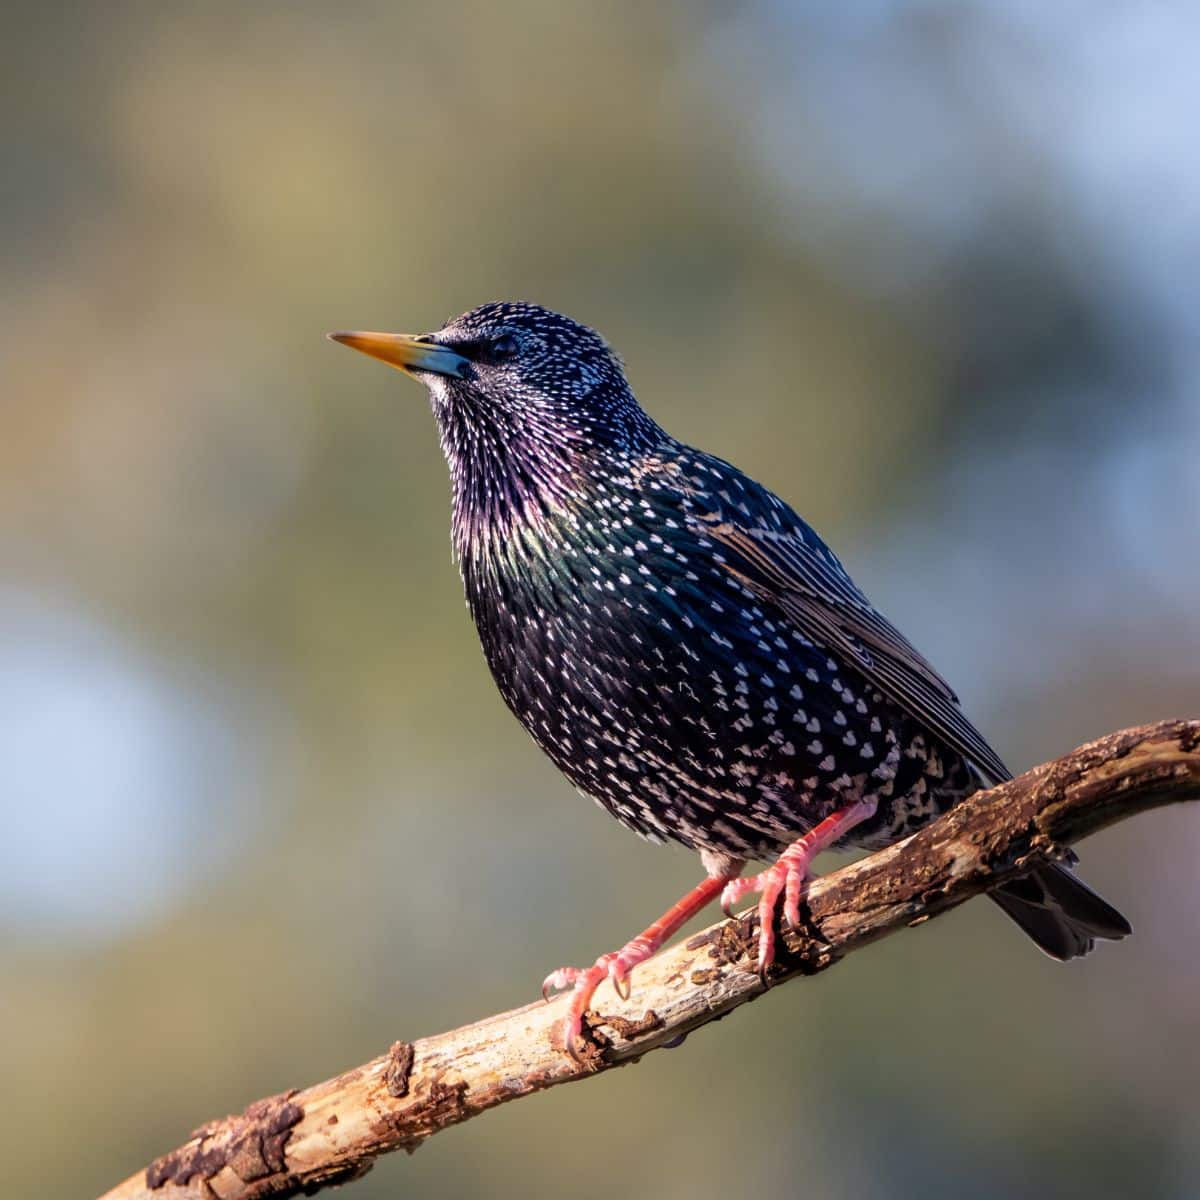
412,355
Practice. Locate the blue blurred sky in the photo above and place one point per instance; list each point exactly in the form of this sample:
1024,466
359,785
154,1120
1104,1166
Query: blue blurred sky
126,779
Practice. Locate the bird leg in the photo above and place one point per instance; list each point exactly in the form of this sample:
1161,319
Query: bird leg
617,965
788,873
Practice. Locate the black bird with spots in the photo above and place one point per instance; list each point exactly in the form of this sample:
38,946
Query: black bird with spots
681,644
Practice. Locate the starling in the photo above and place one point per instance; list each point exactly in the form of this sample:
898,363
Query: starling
682,645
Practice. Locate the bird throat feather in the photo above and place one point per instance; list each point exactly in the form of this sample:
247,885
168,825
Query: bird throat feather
515,472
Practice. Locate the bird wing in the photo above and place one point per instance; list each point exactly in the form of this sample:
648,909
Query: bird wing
783,560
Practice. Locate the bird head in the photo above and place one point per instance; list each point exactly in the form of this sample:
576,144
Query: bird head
533,410
516,369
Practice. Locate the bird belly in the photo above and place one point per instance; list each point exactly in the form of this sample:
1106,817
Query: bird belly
737,736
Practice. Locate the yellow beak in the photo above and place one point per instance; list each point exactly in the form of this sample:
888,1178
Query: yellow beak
412,355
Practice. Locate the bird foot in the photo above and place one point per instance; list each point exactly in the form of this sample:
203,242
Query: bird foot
787,876
583,981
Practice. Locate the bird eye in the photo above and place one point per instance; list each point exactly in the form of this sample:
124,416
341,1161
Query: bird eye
503,348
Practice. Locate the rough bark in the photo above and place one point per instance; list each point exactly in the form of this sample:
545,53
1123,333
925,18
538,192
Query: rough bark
299,1141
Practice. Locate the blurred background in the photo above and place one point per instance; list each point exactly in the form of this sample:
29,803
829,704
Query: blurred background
928,269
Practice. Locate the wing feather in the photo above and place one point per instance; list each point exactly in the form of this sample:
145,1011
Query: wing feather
790,566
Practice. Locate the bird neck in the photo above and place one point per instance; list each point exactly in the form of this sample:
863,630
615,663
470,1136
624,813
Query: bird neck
516,474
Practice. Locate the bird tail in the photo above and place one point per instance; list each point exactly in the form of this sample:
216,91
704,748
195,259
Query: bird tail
1060,912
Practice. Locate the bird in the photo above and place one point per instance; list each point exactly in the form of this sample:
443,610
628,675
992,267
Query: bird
683,646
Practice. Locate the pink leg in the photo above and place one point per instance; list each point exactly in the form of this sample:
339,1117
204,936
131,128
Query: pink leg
617,965
787,875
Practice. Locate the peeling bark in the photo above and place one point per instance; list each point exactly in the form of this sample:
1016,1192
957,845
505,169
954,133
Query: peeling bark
298,1142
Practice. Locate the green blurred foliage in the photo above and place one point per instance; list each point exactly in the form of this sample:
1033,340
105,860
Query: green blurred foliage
195,194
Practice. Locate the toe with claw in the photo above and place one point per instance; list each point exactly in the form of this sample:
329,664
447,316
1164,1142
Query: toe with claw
787,875
583,981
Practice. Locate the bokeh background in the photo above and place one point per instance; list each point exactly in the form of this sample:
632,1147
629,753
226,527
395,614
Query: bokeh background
928,269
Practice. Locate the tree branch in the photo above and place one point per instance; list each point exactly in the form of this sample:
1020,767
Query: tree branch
299,1141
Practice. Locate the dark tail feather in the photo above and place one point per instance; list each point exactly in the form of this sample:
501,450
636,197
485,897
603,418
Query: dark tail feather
1059,912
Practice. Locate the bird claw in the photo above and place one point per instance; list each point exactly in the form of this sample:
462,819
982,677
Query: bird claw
617,965
619,978
573,1035
786,877
583,982
558,981
734,890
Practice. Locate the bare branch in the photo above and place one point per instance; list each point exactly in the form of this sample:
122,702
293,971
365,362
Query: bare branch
297,1142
